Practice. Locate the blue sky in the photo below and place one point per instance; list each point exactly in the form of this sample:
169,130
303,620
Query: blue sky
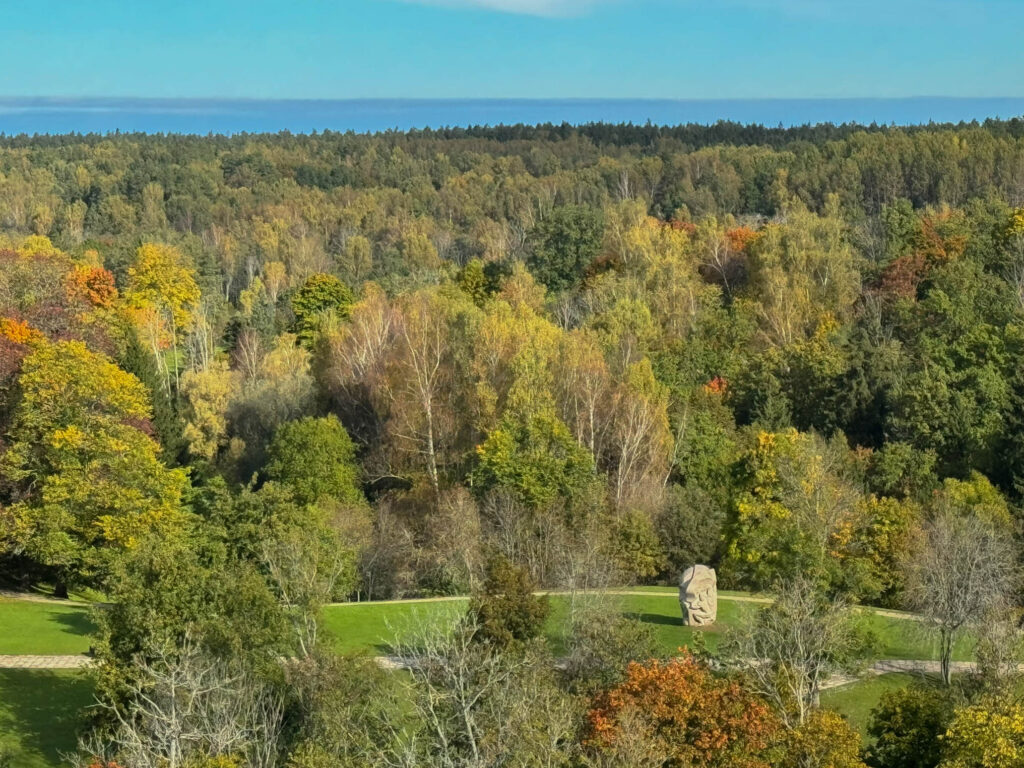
512,48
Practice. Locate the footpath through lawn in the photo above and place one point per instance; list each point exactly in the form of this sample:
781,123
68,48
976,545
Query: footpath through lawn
371,627
33,627
41,709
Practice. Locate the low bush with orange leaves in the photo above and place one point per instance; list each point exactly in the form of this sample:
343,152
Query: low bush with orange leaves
678,713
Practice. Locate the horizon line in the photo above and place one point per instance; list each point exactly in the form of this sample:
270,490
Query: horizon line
328,99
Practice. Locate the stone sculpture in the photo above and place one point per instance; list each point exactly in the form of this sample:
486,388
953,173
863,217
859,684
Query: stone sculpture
698,596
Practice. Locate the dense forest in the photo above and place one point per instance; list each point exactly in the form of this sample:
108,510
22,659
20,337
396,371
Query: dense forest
242,377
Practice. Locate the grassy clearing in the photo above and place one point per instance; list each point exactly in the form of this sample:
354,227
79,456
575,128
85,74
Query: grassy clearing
40,714
49,629
856,700
54,629
370,627
39,709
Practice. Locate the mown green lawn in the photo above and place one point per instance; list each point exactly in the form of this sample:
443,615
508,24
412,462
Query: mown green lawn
39,709
49,629
371,627
55,629
856,700
40,714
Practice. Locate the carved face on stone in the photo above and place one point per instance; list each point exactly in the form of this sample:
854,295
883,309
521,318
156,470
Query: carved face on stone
698,596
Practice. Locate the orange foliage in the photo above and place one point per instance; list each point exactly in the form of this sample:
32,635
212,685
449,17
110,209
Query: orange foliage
693,717
741,238
93,284
686,226
18,331
717,386
939,240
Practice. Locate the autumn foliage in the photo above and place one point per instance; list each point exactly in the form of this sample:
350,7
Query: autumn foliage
94,285
903,275
716,386
740,238
689,715
18,331
15,336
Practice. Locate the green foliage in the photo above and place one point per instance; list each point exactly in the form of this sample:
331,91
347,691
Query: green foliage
776,351
167,425
507,612
898,469
320,295
635,546
316,459
708,445
473,281
954,401
796,515
164,588
901,228
343,707
690,528
907,725
533,455
565,243
601,644
975,496
87,479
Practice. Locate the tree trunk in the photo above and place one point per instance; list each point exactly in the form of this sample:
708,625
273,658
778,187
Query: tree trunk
945,656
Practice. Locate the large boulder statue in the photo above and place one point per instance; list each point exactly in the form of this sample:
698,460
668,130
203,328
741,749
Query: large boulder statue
698,596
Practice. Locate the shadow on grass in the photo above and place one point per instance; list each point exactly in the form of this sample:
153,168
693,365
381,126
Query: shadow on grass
74,622
656,618
41,712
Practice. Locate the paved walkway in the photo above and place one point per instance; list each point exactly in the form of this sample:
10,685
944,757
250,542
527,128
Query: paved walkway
628,592
902,666
634,592
882,667
44,662
391,663
32,597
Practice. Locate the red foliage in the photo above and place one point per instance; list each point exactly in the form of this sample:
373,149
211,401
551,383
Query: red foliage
11,355
902,276
55,298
